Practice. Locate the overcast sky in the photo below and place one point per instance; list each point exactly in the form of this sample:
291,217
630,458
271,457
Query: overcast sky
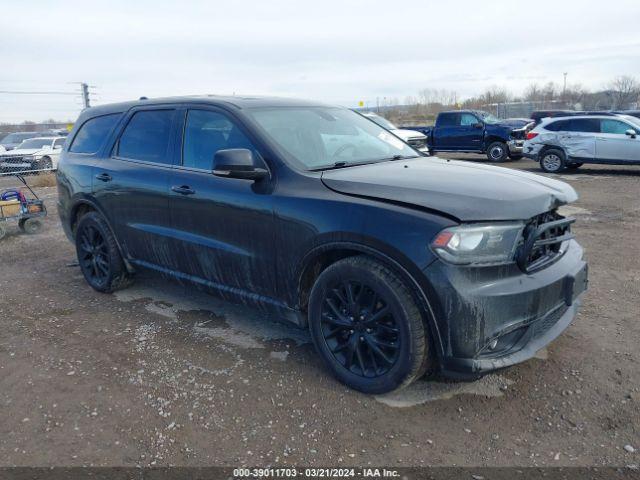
337,51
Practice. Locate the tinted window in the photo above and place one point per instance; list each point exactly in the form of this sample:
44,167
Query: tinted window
92,133
207,132
614,126
468,119
448,119
588,125
146,136
560,125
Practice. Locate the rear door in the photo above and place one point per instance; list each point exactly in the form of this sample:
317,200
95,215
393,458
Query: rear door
612,143
444,133
131,184
578,137
224,227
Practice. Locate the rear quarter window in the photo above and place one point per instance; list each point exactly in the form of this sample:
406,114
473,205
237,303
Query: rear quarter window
93,133
448,120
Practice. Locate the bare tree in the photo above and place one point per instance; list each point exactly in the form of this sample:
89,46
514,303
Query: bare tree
624,90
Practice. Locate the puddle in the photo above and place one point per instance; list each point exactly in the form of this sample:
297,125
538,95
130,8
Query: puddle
568,210
424,391
245,327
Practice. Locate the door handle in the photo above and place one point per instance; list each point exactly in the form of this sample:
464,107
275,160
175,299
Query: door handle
104,177
183,190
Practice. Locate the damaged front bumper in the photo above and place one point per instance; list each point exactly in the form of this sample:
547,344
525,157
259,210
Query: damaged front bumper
494,317
515,146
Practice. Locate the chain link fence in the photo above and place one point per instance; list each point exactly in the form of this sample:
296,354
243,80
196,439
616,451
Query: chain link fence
31,149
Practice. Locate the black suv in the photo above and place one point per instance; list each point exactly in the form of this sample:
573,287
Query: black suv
397,263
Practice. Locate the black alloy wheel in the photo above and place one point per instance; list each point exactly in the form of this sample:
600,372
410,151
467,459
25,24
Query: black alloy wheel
360,329
367,327
98,254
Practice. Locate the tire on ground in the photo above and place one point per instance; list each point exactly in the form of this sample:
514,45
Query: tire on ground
116,276
552,160
30,225
497,152
413,355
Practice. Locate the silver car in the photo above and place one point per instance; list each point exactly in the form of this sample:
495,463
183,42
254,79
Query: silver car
569,142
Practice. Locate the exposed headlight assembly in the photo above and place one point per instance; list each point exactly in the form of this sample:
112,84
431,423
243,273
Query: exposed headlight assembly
479,243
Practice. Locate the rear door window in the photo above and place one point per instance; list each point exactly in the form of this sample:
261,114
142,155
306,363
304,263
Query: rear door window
146,136
93,133
448,120
584,125
558,126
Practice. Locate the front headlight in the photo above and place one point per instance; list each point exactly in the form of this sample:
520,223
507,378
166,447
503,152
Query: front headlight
478,244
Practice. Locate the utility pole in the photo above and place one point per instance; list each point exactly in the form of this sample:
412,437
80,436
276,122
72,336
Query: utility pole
564,88
85,95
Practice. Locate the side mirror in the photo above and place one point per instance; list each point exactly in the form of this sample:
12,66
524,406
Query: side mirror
238,163
478,125
631,132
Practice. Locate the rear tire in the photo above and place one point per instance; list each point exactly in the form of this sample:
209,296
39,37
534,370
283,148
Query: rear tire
497,152
367,327
552,161
99,256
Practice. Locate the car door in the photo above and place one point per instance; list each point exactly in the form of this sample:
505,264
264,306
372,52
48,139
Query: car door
613,143
578,137
444,133
131,185
224,227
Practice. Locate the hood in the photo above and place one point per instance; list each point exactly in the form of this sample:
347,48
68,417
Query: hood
466,191
516,122
407,134
25,151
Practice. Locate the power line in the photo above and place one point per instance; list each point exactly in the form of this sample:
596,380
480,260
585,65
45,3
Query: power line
15,92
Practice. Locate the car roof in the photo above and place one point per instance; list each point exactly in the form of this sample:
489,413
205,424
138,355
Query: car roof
239,102
45,138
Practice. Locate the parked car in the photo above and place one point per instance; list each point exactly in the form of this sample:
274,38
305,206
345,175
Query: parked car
414,138
12,140
569,142
396,262
538,115
40,153
475,131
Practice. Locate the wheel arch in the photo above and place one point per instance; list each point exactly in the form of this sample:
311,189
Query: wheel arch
84,206
320,257
491,139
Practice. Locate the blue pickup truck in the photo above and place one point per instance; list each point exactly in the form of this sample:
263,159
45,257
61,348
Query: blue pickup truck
475,131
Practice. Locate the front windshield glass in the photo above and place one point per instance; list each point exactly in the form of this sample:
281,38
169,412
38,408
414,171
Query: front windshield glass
488,118
634,120
323,137
17,137
34,143
383,122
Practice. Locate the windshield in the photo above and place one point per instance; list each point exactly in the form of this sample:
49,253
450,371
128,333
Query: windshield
488,118
633,120
383,122
17,137
322,137
35,143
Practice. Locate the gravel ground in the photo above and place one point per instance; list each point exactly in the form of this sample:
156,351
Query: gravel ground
162,374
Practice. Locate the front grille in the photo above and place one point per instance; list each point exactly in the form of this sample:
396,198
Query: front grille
543,325
542,241
12,158
417,142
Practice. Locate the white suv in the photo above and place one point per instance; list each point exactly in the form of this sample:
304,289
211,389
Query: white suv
568,142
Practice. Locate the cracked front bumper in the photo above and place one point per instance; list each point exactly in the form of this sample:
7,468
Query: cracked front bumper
515,146
494,317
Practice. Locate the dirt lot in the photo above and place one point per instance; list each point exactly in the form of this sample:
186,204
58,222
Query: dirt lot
162,374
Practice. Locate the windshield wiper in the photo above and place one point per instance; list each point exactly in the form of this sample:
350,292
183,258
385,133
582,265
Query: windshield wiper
401,157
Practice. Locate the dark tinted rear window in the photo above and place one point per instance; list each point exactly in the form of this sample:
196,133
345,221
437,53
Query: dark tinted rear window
92,133
586,125
448,119
146,136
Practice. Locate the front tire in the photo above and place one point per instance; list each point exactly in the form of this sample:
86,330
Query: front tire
99,256
552,161
367,327
497,152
